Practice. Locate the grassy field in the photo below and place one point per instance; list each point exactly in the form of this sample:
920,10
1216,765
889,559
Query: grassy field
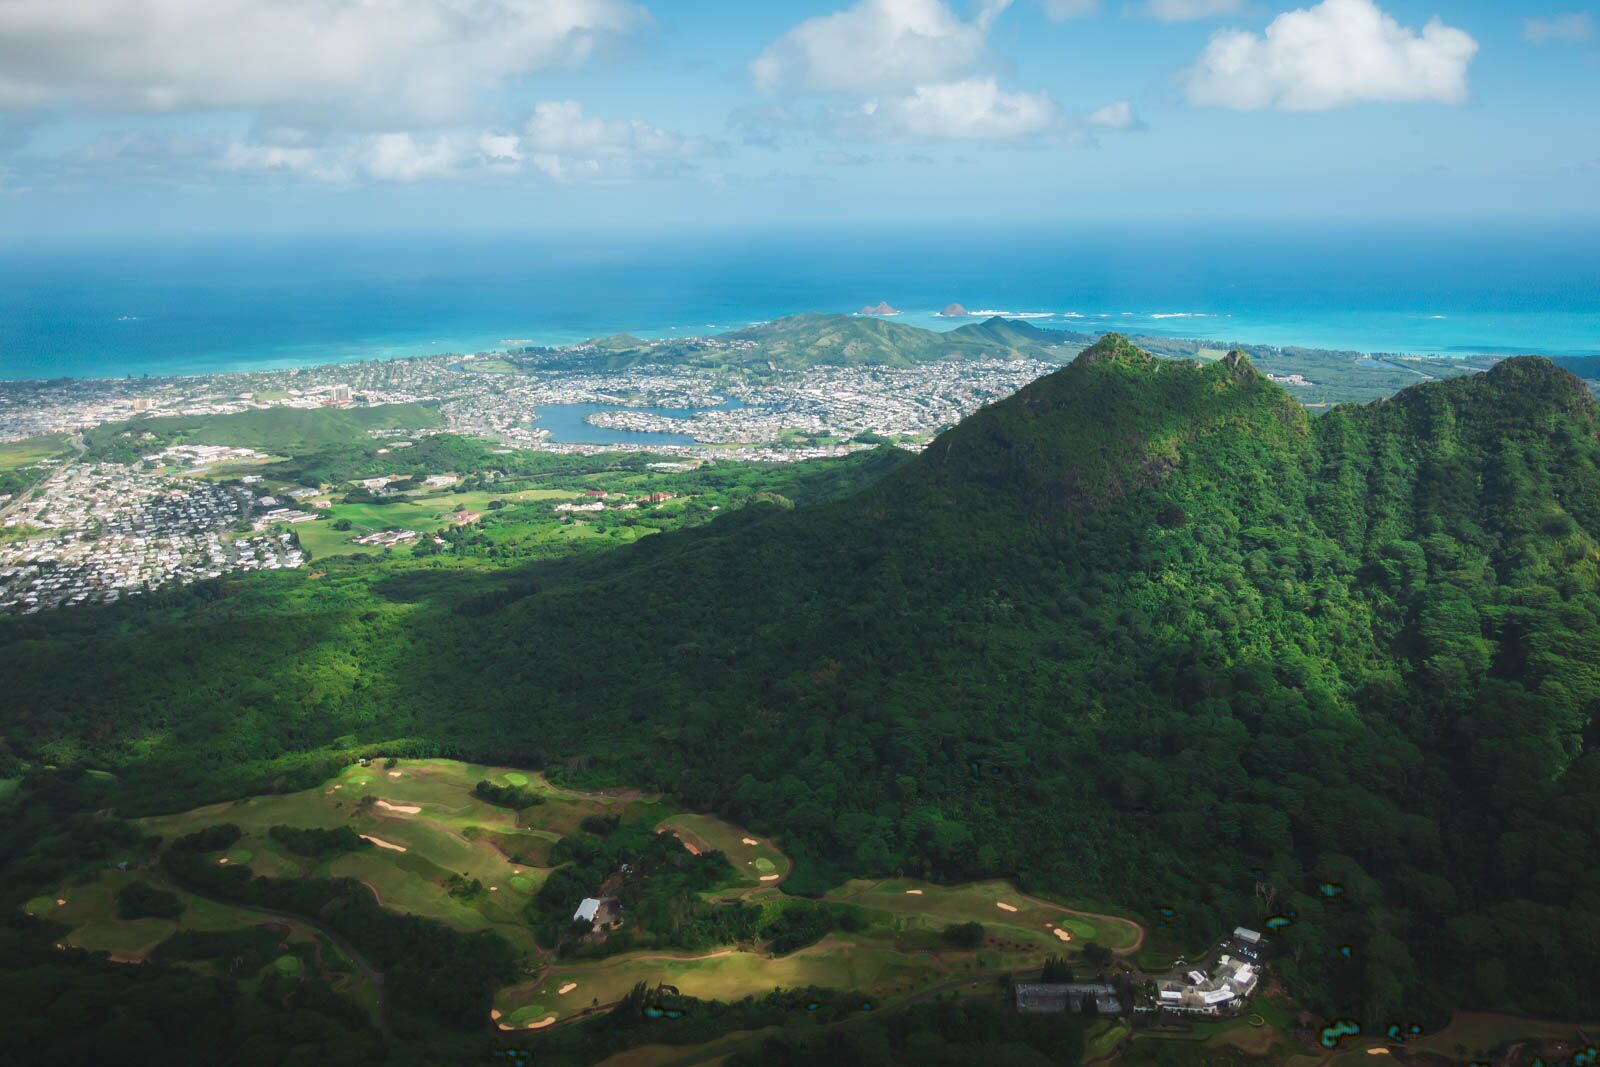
426,825
1103,1038
758,864
31,450
425,514
289,431
723,975
425,808
90,909
919,905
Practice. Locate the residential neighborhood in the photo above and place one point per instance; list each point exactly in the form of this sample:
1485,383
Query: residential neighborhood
95,533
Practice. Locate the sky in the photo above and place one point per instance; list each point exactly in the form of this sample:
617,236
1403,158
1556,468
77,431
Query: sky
153,117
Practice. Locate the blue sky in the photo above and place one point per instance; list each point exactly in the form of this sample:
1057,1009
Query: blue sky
171,116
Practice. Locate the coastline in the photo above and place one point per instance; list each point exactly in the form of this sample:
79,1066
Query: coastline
1279,330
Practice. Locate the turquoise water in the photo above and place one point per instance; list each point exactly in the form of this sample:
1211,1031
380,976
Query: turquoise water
110,309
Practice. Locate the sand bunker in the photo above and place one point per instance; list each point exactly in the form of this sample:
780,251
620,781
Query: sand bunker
381,843
223,860
394,774
693,851
60,901
770,877
751,841
494,889
403,809
1003,906
542,1023
569,987
1062,934
503,1026
1377,1052
913,892
494,1014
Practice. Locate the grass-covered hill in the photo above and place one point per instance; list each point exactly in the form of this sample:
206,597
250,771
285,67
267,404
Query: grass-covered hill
1142,633
801,341
807,340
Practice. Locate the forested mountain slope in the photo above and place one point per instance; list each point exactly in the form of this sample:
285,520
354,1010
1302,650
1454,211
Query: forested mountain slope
1143,633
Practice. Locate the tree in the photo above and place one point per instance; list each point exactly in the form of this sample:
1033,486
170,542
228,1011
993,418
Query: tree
963,935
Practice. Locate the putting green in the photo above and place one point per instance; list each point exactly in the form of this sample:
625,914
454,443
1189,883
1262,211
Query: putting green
516,779
764,865
528,1013
522,883
240,855
291,965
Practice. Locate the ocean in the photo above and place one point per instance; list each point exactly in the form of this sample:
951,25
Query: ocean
202,305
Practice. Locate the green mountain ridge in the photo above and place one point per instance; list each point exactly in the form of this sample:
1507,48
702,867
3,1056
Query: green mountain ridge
797,342
1143,633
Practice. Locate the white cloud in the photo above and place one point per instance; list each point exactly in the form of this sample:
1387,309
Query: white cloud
841,159
354,61
1061,10
561,127
1189,10
876,46
914,69
1117,116
278,159
501,149
399,157
568,145
1575,28
971,109
558,140
1336,54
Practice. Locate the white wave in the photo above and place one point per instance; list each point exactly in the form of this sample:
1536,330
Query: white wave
1182,315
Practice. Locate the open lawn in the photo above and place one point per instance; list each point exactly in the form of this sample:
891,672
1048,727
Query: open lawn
31,450
425,514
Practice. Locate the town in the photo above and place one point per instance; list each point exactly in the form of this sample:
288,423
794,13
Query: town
97,532
80,524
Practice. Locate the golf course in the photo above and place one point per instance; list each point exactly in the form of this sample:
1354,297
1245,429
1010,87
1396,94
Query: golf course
470,847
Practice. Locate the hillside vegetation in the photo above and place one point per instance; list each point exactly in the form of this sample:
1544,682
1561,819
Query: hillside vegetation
801,341
1143,633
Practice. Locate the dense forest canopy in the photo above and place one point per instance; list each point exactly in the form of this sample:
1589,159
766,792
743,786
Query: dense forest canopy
1144,634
